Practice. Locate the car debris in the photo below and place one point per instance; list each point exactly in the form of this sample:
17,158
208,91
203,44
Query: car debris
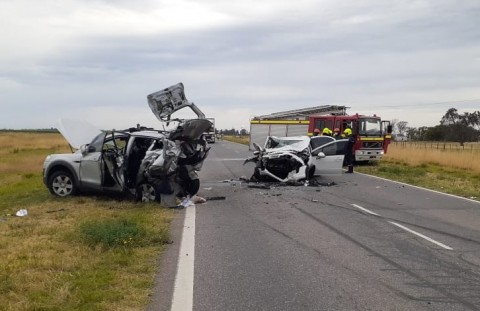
198,199
215,198
139,161
258,186
21,213
297,158
56,210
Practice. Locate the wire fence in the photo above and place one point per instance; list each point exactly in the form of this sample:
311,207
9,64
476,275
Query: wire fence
446,146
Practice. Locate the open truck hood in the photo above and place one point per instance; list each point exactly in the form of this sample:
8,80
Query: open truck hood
165,102
77,132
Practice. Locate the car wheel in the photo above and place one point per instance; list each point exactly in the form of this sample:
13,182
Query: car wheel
148,192
62,184
193,187
310,172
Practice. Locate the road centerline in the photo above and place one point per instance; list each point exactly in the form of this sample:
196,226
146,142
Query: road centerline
183,289
365,210
421,235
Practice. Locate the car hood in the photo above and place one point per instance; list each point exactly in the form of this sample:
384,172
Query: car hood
77,132
165,102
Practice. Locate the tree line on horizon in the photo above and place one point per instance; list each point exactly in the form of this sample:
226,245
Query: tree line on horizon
454,126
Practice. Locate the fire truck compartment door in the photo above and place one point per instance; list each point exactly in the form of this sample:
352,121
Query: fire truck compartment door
332,163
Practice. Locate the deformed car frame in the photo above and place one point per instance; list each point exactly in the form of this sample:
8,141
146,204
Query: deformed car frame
140,161
297,158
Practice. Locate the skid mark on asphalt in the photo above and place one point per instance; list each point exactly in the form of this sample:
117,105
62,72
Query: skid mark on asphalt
423,280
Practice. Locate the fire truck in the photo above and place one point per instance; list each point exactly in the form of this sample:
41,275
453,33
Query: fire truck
372,135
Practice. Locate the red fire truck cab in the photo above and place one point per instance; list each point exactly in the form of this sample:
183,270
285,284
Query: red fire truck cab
372,135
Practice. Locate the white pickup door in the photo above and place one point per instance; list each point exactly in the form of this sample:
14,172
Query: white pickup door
328,158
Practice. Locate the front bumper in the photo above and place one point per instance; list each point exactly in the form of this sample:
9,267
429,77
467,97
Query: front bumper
368,155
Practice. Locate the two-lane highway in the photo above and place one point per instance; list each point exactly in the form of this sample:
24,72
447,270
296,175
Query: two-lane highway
361,244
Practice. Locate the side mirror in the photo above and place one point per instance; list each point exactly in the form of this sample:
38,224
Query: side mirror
389,129
321,155
257,147
83,149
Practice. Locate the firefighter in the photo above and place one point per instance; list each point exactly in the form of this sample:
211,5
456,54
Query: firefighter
336,133
327,132
316,132
349,149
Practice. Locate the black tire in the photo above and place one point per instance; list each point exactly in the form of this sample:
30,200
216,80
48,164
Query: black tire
62,184
148,192
193,187
310,172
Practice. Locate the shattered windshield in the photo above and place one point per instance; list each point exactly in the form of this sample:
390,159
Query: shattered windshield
370,127
299,143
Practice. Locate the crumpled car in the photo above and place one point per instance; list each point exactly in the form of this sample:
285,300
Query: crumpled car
143,162
297,158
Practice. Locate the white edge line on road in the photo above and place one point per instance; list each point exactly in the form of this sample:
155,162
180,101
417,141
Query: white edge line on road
365,210
421,235
183,290
435,191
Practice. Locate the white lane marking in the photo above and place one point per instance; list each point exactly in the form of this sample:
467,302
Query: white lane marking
365,210
434,191
183,289
421,235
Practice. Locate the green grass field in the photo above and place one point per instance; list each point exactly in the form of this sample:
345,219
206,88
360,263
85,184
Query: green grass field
79,253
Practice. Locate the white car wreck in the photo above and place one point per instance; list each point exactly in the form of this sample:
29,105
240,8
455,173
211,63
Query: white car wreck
139,161
292,159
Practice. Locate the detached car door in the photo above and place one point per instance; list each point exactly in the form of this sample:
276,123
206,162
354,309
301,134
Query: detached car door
328,158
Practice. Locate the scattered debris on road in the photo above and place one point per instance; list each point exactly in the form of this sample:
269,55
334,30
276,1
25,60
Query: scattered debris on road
215,198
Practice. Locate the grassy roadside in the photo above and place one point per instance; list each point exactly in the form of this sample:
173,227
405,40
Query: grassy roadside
432,176
454,172
79,253
244,140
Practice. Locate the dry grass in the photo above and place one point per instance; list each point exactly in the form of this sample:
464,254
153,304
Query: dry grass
25,152
245,140
44,264
446,170
418,154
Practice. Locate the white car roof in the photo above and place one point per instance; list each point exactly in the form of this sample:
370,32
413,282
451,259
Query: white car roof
150,134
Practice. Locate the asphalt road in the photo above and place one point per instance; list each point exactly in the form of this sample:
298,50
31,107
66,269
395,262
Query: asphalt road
361,243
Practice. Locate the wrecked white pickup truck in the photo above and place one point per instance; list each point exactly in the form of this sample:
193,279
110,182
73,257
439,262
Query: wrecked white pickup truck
139,161
296,158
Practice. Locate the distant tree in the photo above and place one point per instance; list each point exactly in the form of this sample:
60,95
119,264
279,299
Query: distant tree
421,133
435,133
458,127
393,123
243,132
402,127
411,133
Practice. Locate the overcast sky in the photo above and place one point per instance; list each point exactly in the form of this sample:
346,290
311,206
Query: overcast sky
97,60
